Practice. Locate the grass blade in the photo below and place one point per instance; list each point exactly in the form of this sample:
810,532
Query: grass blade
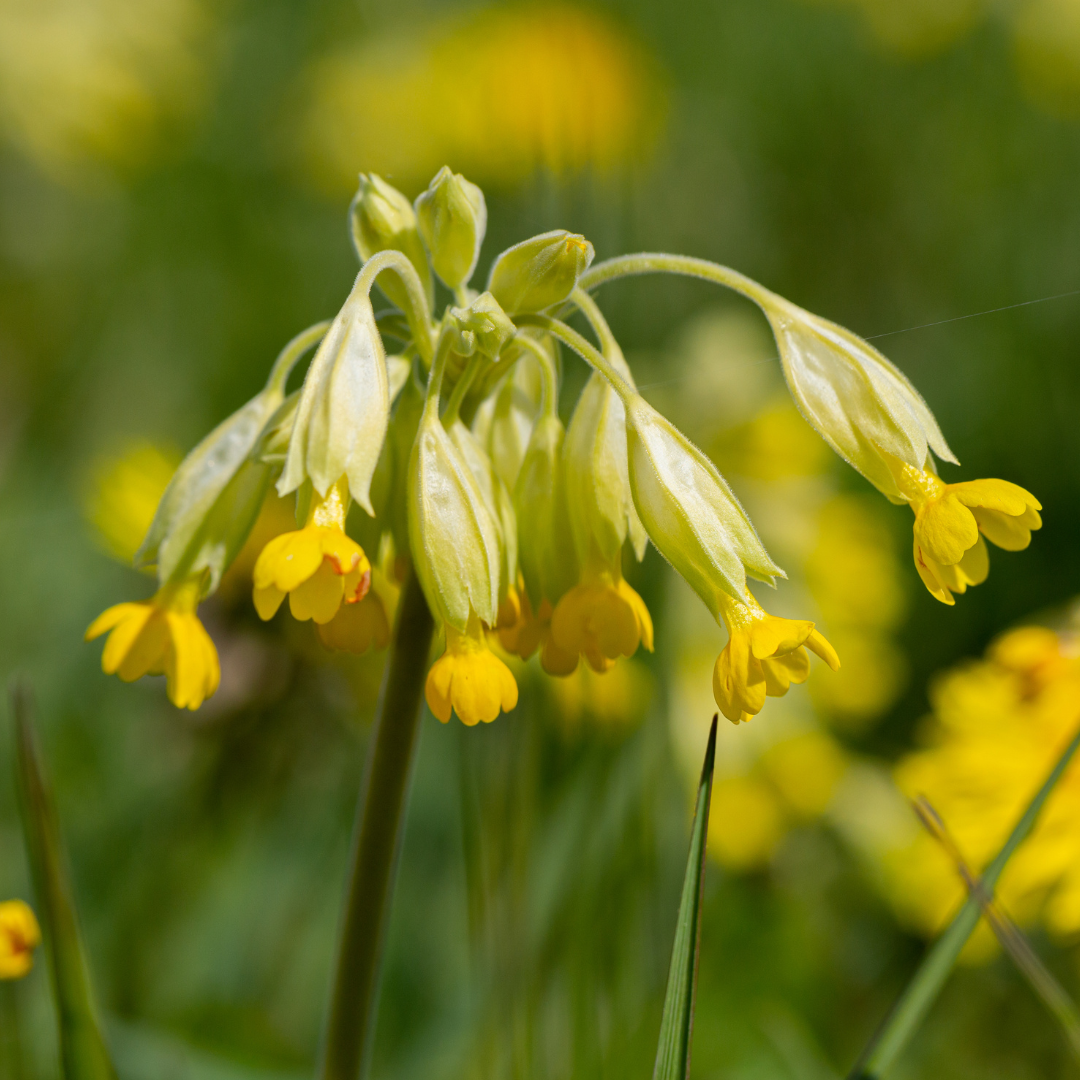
83,1053
677,1025
921,993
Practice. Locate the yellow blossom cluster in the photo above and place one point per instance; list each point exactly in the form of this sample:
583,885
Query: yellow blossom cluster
998,726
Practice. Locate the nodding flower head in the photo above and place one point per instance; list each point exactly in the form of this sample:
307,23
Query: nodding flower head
470,679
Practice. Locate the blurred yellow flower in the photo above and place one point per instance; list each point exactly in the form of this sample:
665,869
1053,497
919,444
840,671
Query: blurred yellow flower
19,937
499,96
123,493
997,728
98,80
615,701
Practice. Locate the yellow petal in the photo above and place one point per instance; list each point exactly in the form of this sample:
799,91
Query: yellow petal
1010,533
113,617
267,600
999,495
123,637
945,529
289,559
975,565
816,643
773,636
319,597
928,572
149,650
437,687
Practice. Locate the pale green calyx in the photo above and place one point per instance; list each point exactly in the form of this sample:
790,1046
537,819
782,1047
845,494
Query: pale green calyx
453,536
481,327
344,407
214,497
540,272
859,402
452,216
382,219
602,512
545,546
690,513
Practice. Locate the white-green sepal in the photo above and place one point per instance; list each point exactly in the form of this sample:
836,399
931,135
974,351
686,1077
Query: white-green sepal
453,536
859,402
601,506
540,271
691,514
344,407
212,500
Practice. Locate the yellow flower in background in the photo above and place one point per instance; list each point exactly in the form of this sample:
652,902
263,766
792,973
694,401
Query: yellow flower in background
318,567
19,937
98,80
500,96
998,726
162,636
614,702
764,656
122,494
951,521
469,679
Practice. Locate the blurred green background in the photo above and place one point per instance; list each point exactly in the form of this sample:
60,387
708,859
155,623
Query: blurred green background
174,177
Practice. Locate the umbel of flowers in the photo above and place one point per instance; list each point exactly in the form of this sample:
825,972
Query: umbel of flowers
451,448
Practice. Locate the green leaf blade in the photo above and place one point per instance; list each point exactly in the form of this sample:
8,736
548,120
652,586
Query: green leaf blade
677,1024
83,1053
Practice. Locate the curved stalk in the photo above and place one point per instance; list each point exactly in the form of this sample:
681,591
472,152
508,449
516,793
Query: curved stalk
549,380
595,317
461,388
380,816
418,313
587,351
288,357
661,263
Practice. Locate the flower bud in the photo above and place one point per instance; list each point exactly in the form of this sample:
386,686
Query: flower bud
546,550
383,219
690,513
344,407
452,216
598,496
539,272
856,400
452,535
481,327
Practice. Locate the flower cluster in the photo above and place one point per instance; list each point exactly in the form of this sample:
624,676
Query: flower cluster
453,452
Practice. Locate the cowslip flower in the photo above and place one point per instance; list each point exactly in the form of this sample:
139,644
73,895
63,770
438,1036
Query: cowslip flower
318,567
162,636
764,655
469,679
20,935
954,521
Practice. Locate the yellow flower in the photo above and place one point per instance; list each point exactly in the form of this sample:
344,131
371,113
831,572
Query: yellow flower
162,636
19,937
765,654
530,631
601,618
318,566
951,521
997,728
123,494
356,628
469,679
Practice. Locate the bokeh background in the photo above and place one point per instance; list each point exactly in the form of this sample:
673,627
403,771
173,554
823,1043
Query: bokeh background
174,177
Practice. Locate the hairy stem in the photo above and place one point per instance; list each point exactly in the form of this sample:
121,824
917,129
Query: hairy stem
417,310
288,357
921,993
380,816
549,380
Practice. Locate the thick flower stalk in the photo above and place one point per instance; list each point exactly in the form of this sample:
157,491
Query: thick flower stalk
19,937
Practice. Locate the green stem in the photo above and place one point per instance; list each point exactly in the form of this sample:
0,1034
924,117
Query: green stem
350,1030
438,369
416,309
915,1002
288,357
587,351
549,380
660,263
461,388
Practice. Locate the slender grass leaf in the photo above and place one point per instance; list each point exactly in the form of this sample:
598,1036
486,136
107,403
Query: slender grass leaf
677,1025
83,1053
921,992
